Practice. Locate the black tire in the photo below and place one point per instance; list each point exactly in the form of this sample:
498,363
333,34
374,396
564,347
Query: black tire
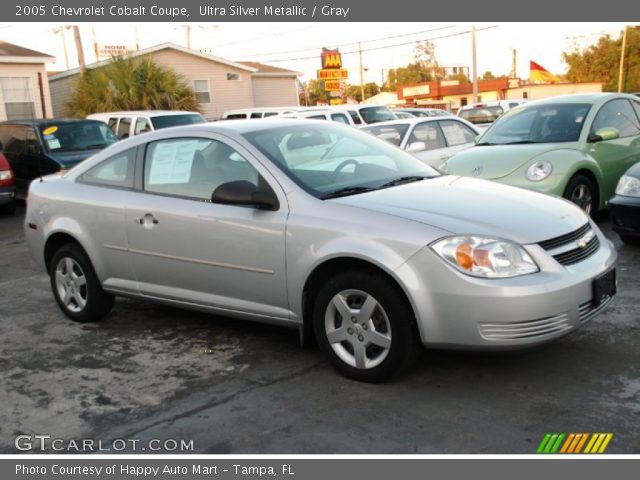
392,310
8,208
97,303
629,239
578,189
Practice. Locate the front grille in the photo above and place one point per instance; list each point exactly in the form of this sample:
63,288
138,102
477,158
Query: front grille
578,254
526,329
564,239
566,250
588,310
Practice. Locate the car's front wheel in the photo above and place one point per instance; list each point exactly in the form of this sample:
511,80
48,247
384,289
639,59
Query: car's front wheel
365,326
76,287
581,191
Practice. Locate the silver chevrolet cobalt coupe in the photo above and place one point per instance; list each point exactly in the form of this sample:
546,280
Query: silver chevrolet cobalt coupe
323,228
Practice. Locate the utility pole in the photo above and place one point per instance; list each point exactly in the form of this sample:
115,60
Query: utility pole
513,73
137,39
95,44
361,72
60,30
624,46
474,66
188,28
78,40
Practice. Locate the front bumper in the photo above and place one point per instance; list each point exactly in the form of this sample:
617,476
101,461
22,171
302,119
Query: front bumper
625,215
7,194
454,310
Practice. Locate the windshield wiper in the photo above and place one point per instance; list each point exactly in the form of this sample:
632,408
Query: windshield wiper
343,192
401,180
96,145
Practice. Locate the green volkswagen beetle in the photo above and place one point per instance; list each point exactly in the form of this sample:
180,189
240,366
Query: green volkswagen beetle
574,146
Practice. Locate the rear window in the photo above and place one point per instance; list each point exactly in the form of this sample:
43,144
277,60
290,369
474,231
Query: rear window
166,121
376,114
480,115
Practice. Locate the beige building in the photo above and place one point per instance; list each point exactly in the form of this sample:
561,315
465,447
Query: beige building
219,84
24,90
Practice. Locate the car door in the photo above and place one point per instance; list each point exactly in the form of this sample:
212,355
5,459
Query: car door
435,146
615,156
188,249
458,137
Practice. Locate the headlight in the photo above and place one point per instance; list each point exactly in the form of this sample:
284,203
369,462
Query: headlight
539,171
485,257
628,186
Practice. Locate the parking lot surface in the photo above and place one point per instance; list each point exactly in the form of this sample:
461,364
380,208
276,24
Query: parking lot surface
154,372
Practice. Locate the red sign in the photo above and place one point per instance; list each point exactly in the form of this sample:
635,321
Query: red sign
331,58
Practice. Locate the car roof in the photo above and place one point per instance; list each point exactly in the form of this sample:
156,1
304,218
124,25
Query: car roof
47,121
582,98
409,121
156,113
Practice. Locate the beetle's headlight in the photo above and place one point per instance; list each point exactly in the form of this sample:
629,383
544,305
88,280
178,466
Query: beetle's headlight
628,186
485,257
539,171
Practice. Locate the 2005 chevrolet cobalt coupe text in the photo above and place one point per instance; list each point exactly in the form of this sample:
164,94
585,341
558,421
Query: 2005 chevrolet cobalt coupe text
324,228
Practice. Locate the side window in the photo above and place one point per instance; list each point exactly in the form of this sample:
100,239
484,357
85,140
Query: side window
256,115
142,126
113,124
116,171
270,114
15,140
429,133
636,107
340,117
456,133
355,117
617,114
32,145
124,127
193,167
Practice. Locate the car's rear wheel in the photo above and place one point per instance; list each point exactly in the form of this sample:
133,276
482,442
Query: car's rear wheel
365,326
76,287
581,191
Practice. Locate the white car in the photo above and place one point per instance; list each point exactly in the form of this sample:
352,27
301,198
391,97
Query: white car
130,123
483,114
430,139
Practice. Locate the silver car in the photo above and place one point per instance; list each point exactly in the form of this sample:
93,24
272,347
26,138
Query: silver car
320,227
433,139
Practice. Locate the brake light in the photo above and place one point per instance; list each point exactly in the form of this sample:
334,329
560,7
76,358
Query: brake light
6,174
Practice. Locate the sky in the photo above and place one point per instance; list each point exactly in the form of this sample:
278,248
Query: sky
297,46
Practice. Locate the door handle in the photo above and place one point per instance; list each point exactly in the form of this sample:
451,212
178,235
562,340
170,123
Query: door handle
146,219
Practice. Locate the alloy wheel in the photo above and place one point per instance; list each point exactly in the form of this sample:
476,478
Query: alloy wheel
71,284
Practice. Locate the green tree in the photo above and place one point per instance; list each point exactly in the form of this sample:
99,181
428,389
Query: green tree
130,84
370,89
412,73
600,62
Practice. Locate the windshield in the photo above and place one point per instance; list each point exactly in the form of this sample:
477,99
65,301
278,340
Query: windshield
376,114
481,115
548,123
391,133
77,136
329,159
165,121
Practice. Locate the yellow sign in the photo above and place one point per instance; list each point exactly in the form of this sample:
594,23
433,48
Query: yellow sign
333,74
332,85
331,58
50,130
335,101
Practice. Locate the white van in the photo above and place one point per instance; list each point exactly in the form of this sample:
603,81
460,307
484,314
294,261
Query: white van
364,114
126,124
483,114
322,114
243,113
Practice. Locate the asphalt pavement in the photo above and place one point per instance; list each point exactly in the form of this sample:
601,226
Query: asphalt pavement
229,386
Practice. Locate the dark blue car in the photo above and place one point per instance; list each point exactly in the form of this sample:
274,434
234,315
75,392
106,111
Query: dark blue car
41,147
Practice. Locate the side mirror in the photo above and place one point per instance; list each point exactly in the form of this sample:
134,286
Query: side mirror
244,193
416,147
604,134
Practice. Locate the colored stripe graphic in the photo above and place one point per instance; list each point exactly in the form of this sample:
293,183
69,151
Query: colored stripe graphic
574,443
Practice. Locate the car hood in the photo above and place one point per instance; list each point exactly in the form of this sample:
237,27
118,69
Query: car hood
497,161
463,205
70,159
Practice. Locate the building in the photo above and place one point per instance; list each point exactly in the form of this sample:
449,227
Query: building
219,84
24,90
454,94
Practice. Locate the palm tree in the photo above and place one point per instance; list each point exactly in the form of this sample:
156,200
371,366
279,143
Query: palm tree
130,84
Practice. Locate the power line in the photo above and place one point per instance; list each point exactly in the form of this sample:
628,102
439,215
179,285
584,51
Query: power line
346,44
457,34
